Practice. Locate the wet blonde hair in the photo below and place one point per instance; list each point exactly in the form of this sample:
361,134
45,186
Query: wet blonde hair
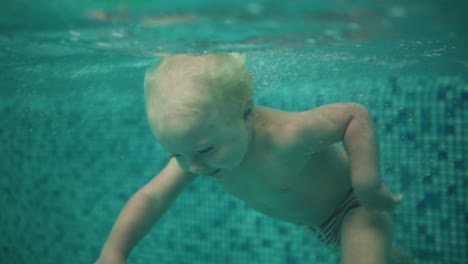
186,86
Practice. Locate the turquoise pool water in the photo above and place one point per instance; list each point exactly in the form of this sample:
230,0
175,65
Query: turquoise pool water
75,144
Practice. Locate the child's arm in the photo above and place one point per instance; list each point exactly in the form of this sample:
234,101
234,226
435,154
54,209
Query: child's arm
141,212
353,124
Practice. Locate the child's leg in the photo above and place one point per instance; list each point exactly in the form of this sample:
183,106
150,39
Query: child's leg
366,237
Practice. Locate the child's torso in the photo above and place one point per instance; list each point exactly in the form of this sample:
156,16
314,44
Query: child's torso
286,182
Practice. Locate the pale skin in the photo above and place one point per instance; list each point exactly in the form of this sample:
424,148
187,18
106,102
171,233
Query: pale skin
286,165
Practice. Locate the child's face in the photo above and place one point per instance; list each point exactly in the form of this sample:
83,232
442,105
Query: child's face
206,145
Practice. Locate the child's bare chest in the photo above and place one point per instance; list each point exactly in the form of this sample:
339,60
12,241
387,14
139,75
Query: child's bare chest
294,187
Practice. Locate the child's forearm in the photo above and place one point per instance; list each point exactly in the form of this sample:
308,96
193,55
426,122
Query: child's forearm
363,150
133,223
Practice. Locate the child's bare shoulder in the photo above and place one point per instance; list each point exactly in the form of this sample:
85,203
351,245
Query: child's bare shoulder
312,129
282,128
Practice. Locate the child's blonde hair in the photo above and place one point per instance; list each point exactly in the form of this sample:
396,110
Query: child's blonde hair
182,84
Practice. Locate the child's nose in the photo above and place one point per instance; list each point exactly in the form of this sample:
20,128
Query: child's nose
197,167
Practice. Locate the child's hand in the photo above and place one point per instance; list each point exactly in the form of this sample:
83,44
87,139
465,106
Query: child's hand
378,197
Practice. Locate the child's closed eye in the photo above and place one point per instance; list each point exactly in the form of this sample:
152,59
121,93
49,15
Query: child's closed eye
206,150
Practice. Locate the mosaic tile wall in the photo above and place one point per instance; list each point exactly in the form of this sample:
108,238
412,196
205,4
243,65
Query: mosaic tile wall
71,160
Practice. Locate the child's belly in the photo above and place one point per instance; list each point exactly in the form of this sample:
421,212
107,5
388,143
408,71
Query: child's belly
304,192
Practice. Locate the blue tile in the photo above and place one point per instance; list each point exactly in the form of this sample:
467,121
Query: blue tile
427,179
464,96
441,95
442,155
451,190
459,165
403,115
266,243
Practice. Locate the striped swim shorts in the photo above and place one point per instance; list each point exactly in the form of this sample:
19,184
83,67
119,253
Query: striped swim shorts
329,231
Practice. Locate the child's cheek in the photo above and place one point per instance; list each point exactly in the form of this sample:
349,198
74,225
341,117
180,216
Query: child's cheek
222,155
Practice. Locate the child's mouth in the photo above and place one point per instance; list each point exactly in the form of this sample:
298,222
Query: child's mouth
214,173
